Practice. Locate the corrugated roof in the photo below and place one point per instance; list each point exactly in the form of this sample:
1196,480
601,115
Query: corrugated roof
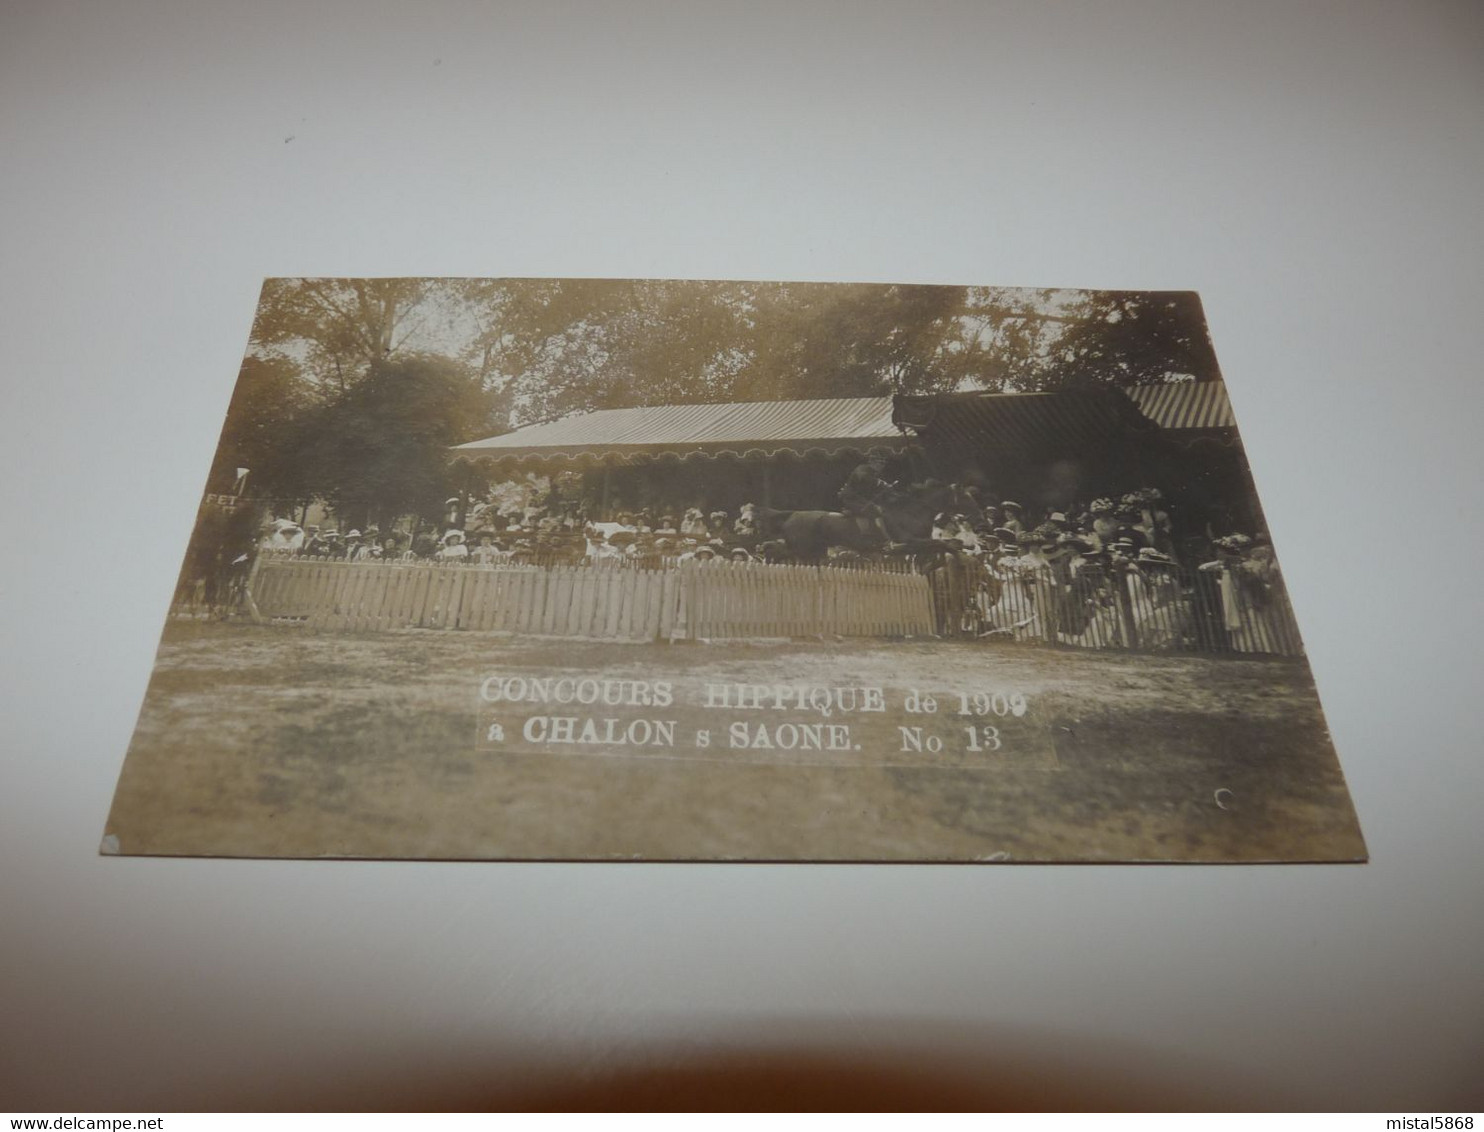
842,424
764,427
1185,404
1011,423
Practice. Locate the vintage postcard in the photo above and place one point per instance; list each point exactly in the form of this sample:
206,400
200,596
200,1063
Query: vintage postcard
665,570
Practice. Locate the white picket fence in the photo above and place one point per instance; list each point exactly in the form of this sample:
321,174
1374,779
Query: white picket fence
694,601
747,599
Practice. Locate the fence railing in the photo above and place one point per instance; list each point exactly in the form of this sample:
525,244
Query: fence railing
755,599
1149,608
692,600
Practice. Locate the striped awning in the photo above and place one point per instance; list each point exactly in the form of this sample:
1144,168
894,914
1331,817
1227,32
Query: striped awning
1042,424
748,429
1185,404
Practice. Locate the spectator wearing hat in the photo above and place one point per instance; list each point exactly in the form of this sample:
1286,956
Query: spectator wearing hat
1153,519
956,530
994,549
1083,528
1070,597
747,526
1122,551
1014,516
1037,585
285,537
1065,556
968,535
1242,591
693,525
1258,561
1104,521
453,548
1130,526
487,552
1159,617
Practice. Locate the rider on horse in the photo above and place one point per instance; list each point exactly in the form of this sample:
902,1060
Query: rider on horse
861,492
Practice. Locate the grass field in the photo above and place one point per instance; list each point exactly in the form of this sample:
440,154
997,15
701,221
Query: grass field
275,741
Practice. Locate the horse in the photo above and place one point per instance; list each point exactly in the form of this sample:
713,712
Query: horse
810,534
221,550
906,514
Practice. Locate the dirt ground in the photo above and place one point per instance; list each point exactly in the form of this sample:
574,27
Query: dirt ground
278,741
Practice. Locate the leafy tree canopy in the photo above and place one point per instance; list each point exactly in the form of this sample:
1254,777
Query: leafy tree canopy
353,388
261,429
381,449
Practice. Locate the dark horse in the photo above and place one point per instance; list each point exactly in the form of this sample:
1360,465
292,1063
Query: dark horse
907,514
217,559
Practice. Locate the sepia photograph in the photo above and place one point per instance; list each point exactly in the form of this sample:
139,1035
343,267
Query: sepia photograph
772,557
585,569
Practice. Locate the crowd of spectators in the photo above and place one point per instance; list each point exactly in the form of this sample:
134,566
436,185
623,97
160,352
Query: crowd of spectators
1109,568
562,535
1132,531
1107,571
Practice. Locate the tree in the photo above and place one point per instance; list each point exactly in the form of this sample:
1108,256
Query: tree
845,340
338,328
549,348
380,450
1031,341
553,347
543,349
261,431
1134,338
